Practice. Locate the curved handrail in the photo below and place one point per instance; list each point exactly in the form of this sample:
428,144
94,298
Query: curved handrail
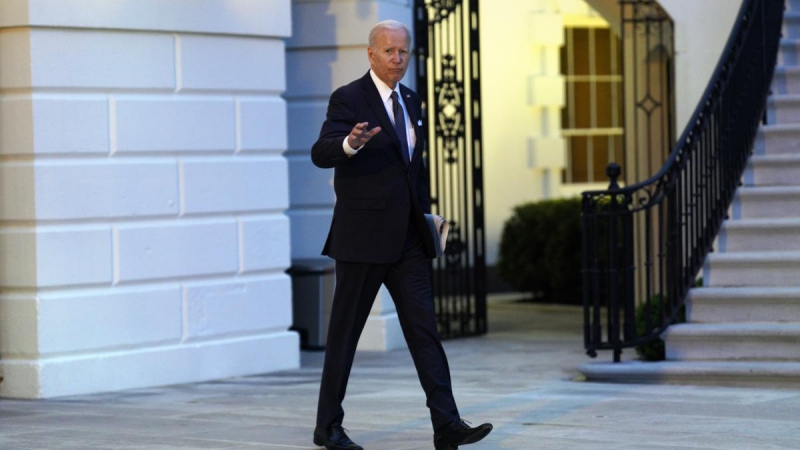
645,243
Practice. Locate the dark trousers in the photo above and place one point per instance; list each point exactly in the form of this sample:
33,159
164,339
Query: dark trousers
409,283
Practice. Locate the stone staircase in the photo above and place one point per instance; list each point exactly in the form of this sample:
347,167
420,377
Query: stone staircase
743,324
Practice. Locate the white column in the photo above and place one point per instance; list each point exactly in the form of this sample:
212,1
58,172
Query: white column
546,97
143,239
328,49
382,331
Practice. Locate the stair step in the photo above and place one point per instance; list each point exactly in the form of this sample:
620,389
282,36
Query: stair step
783,109
738,342
789,52
777,139
750,269
772,170
759,235
736,305
766,202
783,374
791,24
786,80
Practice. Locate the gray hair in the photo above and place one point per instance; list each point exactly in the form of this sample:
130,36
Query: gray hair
387,25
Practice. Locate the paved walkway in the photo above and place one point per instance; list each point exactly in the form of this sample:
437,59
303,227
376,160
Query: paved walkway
519,376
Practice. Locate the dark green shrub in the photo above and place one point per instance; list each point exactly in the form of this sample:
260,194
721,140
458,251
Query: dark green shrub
540,250
653,350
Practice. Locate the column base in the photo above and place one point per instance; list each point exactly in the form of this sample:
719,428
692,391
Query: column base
382,333
184,363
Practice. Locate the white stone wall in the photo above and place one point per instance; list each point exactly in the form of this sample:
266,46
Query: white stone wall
143,239
328,49
701,31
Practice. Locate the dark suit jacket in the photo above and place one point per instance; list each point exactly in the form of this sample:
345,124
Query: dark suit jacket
376,192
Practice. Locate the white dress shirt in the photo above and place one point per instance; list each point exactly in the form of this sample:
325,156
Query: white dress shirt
386,95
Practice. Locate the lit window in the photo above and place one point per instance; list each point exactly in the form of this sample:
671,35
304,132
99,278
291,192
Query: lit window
592,119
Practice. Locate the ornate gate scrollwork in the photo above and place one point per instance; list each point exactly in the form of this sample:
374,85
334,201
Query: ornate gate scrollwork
446,39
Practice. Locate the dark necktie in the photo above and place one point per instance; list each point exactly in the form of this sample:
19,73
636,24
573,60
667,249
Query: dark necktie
400,126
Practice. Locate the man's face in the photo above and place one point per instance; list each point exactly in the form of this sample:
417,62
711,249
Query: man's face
388,57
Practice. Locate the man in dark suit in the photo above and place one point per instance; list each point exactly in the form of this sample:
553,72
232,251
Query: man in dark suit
373,138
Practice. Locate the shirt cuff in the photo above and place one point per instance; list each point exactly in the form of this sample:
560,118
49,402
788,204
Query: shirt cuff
350,150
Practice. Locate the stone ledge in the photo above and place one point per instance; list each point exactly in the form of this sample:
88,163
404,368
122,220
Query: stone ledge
722,373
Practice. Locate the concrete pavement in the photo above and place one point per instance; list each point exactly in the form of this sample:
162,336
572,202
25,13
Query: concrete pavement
521,376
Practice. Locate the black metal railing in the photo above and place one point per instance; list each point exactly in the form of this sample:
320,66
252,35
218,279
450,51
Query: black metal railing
644,244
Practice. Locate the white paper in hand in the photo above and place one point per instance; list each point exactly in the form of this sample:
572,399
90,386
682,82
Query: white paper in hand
439,228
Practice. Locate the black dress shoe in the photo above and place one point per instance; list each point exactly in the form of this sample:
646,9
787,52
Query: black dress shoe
334,438
450,436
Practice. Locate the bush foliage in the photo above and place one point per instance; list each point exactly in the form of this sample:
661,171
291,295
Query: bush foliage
655,350
540,250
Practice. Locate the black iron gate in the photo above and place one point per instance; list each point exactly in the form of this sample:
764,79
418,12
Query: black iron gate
446,40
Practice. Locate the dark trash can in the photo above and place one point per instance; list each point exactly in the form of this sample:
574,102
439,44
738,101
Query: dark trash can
312,296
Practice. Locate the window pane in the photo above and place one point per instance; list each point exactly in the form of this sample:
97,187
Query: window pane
565,109
580,49
602,51
618,154
603,102
578,159
620,119
602,157
582,105
600,147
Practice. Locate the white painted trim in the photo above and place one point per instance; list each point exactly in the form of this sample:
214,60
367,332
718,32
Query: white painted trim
238,17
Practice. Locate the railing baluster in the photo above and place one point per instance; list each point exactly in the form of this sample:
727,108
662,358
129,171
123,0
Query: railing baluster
650,239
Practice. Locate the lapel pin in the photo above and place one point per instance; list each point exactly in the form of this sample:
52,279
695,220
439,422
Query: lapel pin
419,123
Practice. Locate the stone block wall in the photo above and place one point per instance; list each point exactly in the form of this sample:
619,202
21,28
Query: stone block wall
143,239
